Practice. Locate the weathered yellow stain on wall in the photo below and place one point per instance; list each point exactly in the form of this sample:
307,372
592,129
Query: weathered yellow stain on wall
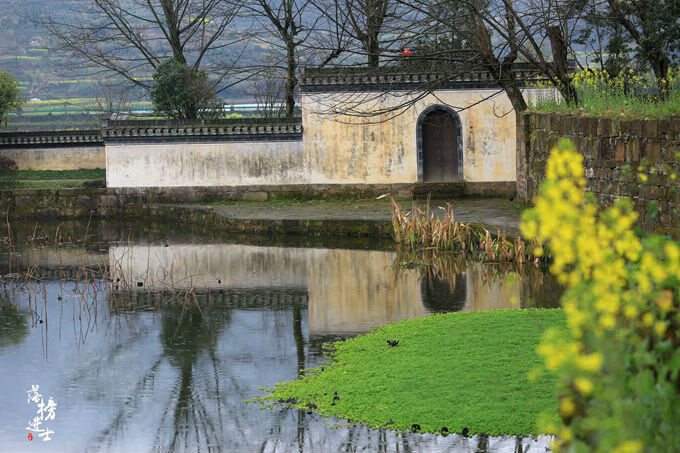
346,147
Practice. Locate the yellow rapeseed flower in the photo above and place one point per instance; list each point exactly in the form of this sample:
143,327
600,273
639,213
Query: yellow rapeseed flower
583,385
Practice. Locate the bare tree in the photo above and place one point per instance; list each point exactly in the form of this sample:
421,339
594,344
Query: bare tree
366,28
269,93
504,32
113,97
468,23
285,25
524,30
131,38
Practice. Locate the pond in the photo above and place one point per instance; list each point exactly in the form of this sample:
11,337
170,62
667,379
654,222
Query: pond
151,337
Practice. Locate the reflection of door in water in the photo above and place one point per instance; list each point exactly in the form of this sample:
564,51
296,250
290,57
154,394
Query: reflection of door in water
444,295
440,147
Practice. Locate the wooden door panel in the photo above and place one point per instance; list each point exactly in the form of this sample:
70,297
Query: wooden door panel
440,147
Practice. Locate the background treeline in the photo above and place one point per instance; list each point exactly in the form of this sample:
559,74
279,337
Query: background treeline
121,54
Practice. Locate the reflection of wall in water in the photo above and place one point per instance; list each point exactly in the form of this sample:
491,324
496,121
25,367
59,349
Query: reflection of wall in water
472,290
212,266
444,293
56,257
351,291
486,293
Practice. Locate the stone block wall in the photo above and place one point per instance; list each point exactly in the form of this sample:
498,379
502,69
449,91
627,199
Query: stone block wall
612,150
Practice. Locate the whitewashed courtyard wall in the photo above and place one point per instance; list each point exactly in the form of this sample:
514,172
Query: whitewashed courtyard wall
348,147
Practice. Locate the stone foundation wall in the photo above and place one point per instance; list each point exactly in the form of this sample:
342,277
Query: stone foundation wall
162,204
612,150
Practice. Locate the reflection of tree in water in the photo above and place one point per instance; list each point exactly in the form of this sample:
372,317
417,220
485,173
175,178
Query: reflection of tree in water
186,334
200,413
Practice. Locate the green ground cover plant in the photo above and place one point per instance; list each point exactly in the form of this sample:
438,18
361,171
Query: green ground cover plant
50,179
454,371
64,184
627,95
42,175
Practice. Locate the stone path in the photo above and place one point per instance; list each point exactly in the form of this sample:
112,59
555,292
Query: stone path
499,213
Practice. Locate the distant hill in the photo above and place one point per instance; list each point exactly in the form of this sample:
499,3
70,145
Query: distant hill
42,74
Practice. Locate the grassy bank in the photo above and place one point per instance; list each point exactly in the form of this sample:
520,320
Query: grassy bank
50,179
626,96
458,370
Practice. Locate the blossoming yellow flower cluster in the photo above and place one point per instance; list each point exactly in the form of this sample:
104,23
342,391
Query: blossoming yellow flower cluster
622,293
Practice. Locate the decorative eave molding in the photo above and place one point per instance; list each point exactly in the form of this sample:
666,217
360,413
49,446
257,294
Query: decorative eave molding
400,79
123,132
405,82
50,138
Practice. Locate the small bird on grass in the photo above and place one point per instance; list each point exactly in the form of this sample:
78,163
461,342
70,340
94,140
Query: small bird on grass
465,432
391,422
392,343
335,396
415,427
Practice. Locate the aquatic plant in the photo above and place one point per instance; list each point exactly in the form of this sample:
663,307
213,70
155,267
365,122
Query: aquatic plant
621,371
422,228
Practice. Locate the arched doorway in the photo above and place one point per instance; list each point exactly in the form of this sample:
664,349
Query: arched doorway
440,145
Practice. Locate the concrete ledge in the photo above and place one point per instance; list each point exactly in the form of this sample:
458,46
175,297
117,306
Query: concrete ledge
81,202
315,227
490,189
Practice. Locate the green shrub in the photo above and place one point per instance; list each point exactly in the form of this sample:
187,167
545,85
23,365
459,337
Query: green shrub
8,166
179,92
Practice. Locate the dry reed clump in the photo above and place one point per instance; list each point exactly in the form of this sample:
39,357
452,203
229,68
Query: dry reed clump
422,228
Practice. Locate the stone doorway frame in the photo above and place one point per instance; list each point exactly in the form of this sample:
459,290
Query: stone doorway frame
419,137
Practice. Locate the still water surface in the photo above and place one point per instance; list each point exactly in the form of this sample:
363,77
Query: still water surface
135,375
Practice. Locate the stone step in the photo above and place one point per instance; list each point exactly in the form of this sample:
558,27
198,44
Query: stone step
436,191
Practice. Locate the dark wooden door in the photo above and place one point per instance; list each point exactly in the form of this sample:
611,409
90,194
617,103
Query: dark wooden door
440,147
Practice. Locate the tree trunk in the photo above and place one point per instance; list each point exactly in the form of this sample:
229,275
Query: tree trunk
502,72
660,67
511,88
291,78
560,65
373,49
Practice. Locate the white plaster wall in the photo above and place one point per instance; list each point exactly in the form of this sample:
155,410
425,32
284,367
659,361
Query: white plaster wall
337,148
344,147
205,164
